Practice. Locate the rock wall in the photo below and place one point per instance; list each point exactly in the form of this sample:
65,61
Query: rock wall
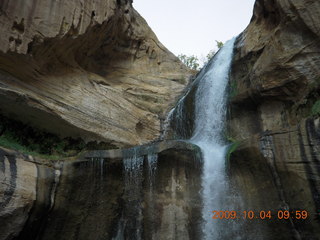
89,69
274,76
25,186
274,89
147,193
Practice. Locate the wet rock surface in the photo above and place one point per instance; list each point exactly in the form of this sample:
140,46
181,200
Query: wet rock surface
274,88
100,73
149,196
276,171
25,187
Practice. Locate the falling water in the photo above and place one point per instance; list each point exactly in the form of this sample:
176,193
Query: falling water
130,223
210,114
200,116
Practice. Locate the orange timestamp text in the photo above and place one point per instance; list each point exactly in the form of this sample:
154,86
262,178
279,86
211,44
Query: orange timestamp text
281,214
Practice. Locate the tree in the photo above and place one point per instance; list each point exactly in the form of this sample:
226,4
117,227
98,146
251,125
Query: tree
190,61
210,54
219,44
213,52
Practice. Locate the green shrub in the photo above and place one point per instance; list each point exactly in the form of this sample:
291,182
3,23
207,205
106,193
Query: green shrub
19,136
190,61
11,144
315,110
232,148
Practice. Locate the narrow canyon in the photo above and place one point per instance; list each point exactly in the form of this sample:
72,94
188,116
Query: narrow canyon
106,134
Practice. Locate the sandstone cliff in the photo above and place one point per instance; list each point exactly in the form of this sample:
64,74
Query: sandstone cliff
273,110
89,69
102,195
275,69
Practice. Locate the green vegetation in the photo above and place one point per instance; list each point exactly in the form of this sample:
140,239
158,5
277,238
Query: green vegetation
219,44
11,144
231,139
233,89
210,55
232,148
234,144
19,136
315,110
192,61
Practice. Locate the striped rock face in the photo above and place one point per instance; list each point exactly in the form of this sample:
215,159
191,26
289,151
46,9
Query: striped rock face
140,193
21,186
92,69
274,113
277,171
18,190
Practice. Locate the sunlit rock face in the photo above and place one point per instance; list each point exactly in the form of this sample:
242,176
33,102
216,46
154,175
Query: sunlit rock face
89,69
274,88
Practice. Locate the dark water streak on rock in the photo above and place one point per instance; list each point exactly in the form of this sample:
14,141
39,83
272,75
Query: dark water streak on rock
13,176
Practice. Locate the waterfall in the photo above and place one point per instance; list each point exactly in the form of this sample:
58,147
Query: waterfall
130,225
206,104
130,222
210,115
148,194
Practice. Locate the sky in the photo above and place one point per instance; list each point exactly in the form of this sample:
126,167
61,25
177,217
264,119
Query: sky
191,26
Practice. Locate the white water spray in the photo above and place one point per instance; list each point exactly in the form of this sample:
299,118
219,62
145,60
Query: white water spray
210,114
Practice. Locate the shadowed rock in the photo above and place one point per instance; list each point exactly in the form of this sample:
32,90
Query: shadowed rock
148,194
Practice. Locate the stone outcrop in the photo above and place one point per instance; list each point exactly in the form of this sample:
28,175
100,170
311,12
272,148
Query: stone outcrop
25,186
278,53
89,69
274,89
110,196
274,76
